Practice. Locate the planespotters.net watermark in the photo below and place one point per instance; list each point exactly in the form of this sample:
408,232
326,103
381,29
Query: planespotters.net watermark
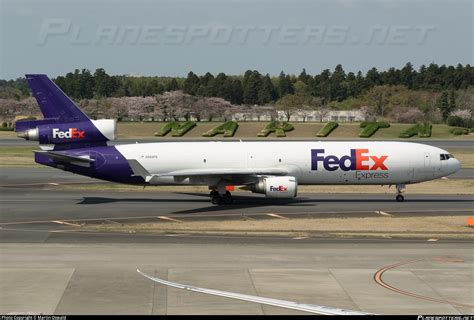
231,35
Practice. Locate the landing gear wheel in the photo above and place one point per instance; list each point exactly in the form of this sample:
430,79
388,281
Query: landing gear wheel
227,198
400,198
216,198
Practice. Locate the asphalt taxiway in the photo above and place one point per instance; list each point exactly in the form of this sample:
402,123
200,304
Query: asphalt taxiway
34,199
48,266
375,276
49,207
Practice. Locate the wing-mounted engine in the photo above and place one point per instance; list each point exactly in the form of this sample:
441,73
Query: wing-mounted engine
276,187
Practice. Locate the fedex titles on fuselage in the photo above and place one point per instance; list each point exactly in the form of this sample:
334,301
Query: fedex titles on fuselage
359,160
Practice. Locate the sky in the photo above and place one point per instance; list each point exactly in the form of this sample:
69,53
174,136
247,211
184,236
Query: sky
173,37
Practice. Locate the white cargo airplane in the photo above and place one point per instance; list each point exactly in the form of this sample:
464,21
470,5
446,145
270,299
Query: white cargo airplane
310,308
71,141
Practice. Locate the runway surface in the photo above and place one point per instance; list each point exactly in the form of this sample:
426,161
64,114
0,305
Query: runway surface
97,278
47,265
27,208
33,199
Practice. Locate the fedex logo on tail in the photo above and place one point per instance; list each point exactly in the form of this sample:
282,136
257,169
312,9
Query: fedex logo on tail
359,159
72,133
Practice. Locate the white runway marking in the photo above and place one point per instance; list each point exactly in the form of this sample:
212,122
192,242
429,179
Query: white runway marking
169,219
301,238
384,213
274,215
66,223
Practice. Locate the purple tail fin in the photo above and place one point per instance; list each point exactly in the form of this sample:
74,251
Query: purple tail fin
64,125
52,101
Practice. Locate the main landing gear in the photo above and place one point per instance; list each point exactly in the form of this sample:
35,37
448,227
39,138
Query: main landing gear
400,190
217,198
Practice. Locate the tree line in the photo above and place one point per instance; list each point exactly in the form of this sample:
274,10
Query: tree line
254,88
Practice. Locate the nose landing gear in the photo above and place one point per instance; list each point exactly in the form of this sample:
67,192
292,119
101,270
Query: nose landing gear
400,190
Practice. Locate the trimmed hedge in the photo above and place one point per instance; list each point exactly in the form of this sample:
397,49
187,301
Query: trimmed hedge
178,129
422,129
369,128
455,121
459,131
327,129
7,126
227,129
278,127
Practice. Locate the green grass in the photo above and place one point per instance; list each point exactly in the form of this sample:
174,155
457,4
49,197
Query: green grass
177,129
327,129
228,129
369,128
422,129
279,128
17,157
459,131
303,130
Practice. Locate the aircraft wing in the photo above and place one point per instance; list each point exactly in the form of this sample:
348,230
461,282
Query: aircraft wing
221,172
139,170
311,308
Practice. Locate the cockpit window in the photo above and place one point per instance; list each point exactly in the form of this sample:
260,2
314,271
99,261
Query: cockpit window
445,156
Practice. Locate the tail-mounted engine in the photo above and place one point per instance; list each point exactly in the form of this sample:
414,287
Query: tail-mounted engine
92,131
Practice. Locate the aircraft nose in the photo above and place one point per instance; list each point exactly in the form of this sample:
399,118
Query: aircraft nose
455,165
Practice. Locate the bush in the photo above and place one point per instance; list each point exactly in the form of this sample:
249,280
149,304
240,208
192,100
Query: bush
278,127
228,129
7,126
459,131
327,129
456,121
369,128
178,129
422,129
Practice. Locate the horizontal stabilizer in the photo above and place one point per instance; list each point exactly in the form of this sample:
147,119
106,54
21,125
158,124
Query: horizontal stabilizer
64,158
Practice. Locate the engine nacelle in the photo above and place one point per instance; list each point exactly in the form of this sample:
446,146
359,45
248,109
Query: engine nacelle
276,187
84,132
